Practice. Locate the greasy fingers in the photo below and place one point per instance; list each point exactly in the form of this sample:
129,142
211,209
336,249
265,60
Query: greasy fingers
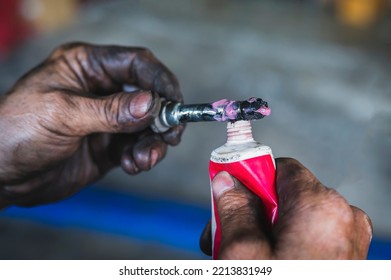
147,73
137,153
103,70
173,135
242,220
146,153
153,75
315,222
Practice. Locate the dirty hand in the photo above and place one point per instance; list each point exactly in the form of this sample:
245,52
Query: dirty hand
67,122
315,222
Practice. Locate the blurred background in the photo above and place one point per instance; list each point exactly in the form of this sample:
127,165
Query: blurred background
323,66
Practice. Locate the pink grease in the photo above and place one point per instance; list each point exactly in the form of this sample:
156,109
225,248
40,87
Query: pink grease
264,111
229,113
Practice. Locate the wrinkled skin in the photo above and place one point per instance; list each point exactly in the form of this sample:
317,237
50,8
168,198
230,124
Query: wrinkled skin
67,122
315,222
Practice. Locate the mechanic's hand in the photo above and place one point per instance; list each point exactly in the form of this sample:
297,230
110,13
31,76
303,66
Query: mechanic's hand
67,122
315,222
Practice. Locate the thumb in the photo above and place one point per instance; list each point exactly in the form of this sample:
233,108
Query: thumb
120,112
242,220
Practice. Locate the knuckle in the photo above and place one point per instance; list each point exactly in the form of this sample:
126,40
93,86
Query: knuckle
117,112
363,219
145,56
324,206
368,222
333,205
329,199
146,52
111,112
68,48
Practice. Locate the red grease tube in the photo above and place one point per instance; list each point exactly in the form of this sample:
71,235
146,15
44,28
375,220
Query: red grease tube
250,162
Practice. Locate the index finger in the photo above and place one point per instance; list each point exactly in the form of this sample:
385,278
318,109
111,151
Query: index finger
153,75
103,70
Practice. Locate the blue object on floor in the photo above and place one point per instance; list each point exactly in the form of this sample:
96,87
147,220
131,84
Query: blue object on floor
171,223
380,249
167,222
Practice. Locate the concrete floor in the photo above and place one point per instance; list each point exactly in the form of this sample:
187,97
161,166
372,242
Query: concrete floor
328,87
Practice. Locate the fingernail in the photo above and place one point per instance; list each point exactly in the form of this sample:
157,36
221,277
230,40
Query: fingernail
222,183
153,157
141,104
129,165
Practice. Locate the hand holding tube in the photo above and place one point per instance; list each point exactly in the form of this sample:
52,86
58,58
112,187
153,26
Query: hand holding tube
315,222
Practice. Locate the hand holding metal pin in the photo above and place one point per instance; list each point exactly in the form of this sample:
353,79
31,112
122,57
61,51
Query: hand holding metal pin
173,114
